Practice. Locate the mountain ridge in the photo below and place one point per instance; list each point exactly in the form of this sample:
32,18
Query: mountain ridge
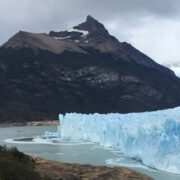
42,41
107,44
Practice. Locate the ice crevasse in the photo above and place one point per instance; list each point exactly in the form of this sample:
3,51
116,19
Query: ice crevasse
152,137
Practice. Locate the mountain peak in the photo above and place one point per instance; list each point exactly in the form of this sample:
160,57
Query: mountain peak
21,34
92,25
91,19
20,39
87,31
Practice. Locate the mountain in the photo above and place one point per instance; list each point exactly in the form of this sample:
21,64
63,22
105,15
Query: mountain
83,69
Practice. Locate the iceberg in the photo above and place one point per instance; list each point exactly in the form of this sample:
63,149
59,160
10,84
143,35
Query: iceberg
151,137
49,134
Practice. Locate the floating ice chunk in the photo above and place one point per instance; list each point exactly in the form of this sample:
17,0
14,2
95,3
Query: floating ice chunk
49,134
152,137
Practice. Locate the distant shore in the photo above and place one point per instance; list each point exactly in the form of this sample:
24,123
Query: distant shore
31,123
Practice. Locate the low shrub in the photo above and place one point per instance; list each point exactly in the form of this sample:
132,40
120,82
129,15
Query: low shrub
15,165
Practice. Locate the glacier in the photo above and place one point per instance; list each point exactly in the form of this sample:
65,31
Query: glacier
151,137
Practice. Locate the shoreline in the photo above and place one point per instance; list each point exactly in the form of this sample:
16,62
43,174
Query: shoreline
60,170
30,123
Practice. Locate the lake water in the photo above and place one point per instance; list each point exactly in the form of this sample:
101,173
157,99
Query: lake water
73,152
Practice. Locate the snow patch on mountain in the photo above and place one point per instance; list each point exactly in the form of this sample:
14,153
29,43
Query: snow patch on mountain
62,38
84,33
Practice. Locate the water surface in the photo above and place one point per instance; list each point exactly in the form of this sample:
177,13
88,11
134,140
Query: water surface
72,152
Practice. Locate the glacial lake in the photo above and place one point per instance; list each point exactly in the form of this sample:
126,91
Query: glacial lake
72,152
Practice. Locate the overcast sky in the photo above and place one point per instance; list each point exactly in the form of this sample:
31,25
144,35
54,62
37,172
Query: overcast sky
152,26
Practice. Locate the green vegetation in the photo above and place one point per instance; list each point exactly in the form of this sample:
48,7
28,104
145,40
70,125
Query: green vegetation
15,165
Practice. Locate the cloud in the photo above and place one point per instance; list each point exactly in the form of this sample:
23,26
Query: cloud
158,38
150,25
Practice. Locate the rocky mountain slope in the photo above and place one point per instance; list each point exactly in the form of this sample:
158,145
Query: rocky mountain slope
83,69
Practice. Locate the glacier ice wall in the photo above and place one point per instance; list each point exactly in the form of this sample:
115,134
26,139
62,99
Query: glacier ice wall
152,137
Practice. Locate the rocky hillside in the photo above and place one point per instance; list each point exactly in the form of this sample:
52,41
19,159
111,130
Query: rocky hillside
82,69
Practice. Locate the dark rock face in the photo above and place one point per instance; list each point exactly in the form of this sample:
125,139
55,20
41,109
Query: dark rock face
38,84
91,25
